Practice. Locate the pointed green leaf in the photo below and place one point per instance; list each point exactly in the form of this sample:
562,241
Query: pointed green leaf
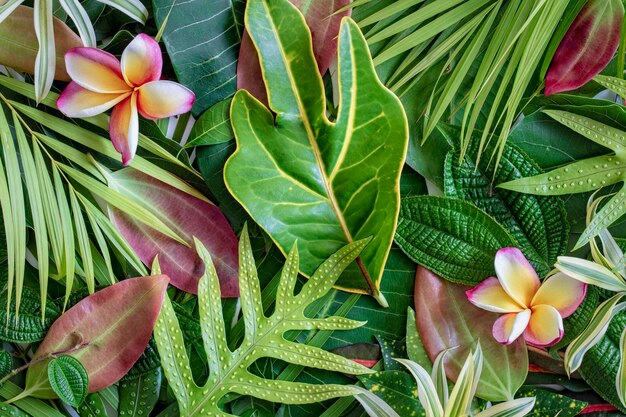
425,388
93,406
310,170
373,405
591,273
514,408
69,380
139,395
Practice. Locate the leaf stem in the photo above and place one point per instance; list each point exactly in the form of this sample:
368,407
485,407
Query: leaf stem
373,291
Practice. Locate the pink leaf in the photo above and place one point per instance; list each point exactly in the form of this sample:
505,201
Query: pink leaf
324,31
588,46
446,319
106,332
188,217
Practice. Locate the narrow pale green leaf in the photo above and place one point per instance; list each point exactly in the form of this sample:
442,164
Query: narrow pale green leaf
79,16
102,245
8,7
132,8
83,241
593,130
374,406
37,211
46,55
591,273
514,408
67,233
440,381
426,390
462,395
594,331
612,83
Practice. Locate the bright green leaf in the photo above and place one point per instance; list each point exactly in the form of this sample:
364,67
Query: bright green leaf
69,380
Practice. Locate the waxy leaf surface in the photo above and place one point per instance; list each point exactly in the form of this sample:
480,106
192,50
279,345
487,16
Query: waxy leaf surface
447,320
299,175
107,332
588,46
324,26
188,217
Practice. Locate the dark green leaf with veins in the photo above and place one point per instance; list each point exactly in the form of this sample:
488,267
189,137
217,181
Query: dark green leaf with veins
303,177
264,336
69,379
586,175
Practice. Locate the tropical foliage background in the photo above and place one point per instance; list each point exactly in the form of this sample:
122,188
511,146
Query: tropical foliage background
311,235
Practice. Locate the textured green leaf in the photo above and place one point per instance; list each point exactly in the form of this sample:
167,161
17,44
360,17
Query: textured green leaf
599,367
263,337
396,388
202,41
551,404
6,363
139,395
69,380
538,224
26,327
450,237
324,184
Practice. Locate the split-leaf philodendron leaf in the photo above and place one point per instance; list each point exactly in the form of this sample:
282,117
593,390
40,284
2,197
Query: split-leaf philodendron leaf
303,177
585,175
264,336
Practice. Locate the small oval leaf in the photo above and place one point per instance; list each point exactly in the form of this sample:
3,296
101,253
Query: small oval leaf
69,380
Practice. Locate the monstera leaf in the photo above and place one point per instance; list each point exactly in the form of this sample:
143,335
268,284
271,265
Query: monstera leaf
303,177
264,336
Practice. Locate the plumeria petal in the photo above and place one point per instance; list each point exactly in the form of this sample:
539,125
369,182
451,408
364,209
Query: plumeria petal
489,295
124,128
517,276
76,101
159,99
545,327
142,61
561,292
95,70
509,327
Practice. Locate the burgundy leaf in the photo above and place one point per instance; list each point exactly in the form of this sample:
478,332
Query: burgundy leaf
324,30
366,354
446,319
188,217
588,46
106,332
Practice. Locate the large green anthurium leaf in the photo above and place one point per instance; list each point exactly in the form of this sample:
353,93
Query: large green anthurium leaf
600,364
303,177
106,331
537,223
447,320
264,337
202,40
450,237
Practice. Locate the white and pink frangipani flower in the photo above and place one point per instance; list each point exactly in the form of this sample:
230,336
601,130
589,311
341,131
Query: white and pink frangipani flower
533,309
100,81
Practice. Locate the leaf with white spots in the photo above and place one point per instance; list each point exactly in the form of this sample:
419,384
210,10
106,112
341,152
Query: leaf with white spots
264,336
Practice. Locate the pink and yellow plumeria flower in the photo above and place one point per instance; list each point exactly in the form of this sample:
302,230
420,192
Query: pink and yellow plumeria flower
100,81
533,309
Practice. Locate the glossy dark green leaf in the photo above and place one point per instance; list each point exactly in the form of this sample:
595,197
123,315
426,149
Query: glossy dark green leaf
212,127
450,237
93,406
392,349
202,40
6,363
538,224
27,327
139,395
69,380
396,388
551,404
9,410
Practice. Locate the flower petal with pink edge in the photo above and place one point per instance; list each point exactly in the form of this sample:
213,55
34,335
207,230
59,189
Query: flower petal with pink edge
95,70
509,327
142,61
545,327
159,99
124,128
489,295
517,276
76,101
561,292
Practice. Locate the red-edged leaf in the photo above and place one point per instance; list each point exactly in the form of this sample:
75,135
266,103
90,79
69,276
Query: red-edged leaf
445,319
113,326
188,217
20,45
588,46
324,30
366,354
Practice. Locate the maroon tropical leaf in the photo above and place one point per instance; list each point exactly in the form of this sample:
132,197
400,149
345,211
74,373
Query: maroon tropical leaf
588,46
106,332
324,30
445,319
366,354
188,217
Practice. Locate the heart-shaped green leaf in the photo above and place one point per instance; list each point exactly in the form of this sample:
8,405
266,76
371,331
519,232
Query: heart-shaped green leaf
69,380
106,331
447,320
303,177
450,237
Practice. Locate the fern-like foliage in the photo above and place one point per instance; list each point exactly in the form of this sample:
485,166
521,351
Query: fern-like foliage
263,336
